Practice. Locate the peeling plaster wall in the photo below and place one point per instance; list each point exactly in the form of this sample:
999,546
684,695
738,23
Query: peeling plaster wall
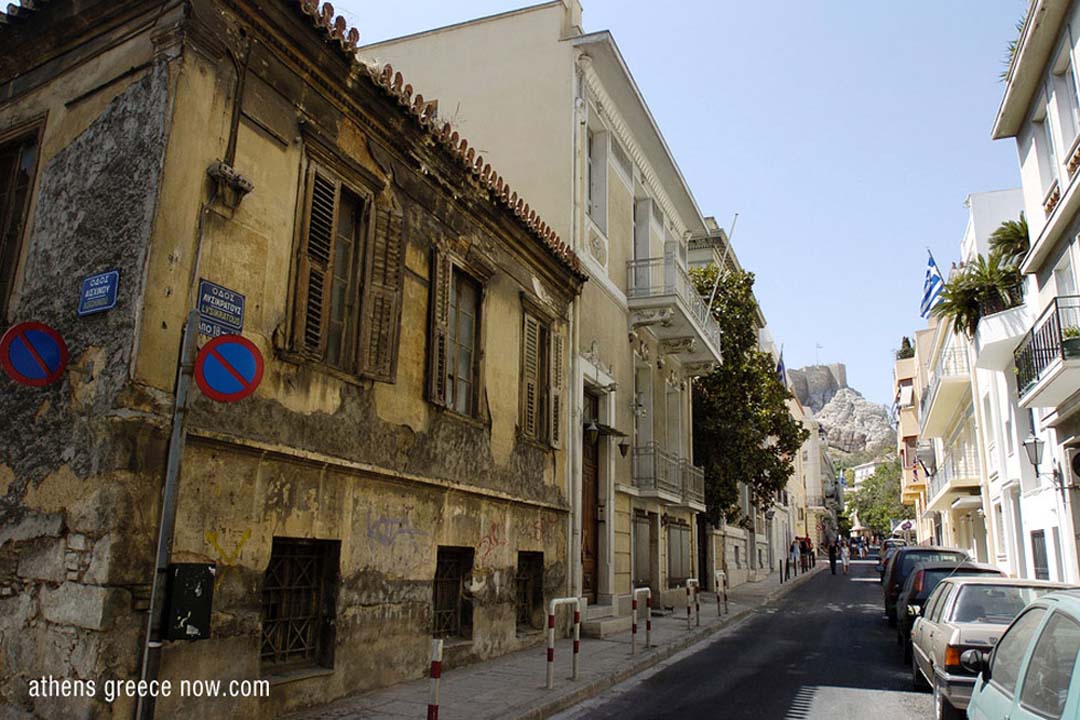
75,502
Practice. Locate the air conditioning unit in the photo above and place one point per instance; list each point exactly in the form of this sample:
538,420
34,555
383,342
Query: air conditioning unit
1072,466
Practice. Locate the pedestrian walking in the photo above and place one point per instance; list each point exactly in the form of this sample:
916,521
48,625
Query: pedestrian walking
794,558
832,556
845,556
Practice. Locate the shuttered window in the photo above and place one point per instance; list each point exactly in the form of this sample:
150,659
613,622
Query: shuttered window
464,331
542,381
679,554
17,166
348,300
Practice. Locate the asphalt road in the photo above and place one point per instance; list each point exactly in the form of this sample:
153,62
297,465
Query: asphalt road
822,652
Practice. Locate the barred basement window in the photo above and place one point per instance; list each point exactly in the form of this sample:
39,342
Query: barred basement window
298,604
451,603
530,591
18,159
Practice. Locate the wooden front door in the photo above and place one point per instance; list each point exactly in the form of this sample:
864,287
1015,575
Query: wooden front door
590,501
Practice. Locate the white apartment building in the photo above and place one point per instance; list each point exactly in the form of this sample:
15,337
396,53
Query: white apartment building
1040,110
558,111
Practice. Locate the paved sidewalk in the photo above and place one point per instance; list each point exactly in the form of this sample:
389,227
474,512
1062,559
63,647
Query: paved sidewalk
512,686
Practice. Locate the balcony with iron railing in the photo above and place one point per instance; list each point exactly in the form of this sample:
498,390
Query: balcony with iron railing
950,381
661,474
958,472
1048,358
661,296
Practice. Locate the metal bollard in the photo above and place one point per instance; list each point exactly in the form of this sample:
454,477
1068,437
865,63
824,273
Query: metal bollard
697,589
577,602
634,618
436,674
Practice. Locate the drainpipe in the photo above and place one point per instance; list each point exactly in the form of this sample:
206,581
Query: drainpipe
573,437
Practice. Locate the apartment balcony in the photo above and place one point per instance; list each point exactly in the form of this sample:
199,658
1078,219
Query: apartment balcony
955,477
1002,324
657,473
672,480
693,485
1048,358
912,483
661,296
950,383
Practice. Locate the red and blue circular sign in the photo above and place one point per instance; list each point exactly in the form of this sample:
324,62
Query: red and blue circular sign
34,354
228,368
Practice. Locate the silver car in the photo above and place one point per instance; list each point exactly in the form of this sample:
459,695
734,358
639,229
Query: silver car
964,613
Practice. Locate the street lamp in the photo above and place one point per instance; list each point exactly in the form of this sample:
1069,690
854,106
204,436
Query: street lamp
592,432
1034,448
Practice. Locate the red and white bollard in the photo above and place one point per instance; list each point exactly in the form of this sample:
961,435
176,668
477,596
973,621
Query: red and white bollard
436,674
697,588
720,583
634,616
579,606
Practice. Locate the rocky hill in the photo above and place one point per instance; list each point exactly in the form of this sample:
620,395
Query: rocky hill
857,428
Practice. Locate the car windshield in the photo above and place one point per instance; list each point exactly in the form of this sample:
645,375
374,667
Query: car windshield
931,578
910,559
997,604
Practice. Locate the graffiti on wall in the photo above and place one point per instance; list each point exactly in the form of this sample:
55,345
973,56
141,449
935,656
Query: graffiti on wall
388,529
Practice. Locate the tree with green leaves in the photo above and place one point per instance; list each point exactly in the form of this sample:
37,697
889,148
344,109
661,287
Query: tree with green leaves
877,501
743,429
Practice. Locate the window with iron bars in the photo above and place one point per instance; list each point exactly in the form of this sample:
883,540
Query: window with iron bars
530,591
298,604
451,602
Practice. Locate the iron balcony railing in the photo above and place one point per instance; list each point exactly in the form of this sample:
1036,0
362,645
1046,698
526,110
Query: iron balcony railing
952,362
1055,335
962,465
693,481
1006,299
815,501
656,277
656,470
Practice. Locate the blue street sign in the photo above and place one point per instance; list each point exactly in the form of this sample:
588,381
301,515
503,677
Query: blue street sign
99,293
221,310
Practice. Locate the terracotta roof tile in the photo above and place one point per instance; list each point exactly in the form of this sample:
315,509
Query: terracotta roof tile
425,113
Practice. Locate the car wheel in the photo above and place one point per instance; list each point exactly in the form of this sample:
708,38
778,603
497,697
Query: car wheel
943,709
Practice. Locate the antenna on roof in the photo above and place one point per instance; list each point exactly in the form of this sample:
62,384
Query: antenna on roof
723,262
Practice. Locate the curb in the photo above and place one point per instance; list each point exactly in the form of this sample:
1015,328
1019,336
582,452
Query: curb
599,685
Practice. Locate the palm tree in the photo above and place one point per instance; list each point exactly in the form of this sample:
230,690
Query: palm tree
1011,241
983,286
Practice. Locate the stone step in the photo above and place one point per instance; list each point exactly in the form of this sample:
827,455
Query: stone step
599,612
605,627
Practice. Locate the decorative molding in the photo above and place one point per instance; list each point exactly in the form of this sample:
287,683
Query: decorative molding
656,316
697,369
1053,196
609,110
677,346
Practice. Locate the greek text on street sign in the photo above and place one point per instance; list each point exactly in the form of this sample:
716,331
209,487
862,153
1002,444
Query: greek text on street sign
221,310
33,354
228,368
99,293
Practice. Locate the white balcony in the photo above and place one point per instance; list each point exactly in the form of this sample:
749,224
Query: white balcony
672,480
950,384
997,337
957,476
661,296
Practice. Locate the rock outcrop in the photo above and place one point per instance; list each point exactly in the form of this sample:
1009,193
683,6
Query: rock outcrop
855,426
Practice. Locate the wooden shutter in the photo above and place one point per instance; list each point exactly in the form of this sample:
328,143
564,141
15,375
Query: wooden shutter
556,391
316,262
439,330
380,316
530,375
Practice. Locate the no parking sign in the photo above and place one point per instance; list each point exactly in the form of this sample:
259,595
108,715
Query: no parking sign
34,354
228,368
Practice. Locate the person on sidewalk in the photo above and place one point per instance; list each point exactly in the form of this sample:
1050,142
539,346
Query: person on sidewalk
793,559
845,556
832,556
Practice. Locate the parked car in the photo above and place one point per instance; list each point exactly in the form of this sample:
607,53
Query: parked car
903,562
889,552
917,588
889,543
1032,673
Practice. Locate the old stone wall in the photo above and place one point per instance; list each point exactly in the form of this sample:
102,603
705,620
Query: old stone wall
73,455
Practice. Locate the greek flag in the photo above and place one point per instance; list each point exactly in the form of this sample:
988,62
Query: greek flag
781,371
932,286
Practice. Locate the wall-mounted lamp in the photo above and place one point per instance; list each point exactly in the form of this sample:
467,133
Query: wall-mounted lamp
592,432
1033,446
624,447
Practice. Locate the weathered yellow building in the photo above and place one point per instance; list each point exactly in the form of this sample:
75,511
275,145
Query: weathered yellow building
579,137
399,473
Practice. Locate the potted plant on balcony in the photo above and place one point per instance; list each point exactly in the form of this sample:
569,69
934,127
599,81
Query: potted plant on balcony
986,284
1070,341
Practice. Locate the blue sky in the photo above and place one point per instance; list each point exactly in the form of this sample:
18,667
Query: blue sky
845,133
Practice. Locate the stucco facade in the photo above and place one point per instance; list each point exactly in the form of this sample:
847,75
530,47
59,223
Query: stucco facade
209,140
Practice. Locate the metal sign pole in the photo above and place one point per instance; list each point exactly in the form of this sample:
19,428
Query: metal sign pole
151,660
